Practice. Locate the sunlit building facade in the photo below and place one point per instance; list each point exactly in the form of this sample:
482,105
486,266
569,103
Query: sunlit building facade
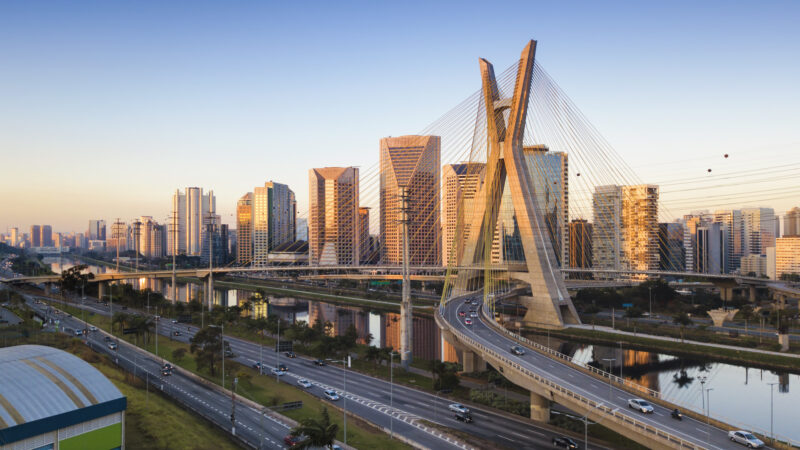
244,230
274,219
410,162
460,183
333,219
787,256
550,174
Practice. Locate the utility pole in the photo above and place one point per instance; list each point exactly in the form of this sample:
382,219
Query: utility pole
210,237
175,246
406,309
116,235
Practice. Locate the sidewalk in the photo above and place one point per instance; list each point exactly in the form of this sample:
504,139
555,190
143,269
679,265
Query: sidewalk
669,339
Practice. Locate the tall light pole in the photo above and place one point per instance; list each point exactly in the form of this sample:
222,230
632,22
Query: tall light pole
703,379
345,363
650,289
771,411
621,362
610,360
708,415
406,311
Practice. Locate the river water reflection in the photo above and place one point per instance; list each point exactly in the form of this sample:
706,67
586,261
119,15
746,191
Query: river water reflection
740,394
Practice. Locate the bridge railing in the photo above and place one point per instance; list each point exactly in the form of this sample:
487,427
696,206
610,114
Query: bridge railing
621,381
591,405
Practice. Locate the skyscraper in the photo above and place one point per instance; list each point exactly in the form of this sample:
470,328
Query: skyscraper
118,238
791,222
97,230
625,232
732,234
671,250
710,248
364,247
14,236
787,256
580,244
460,183
244,230
333,218
758,230
274,219
47,236
410,163
550,174
193,211
36,236
151,238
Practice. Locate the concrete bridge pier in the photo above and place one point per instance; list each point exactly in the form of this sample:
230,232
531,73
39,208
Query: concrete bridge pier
719,315
101,290
726,293
47,289
472,362
752,294
540,408
210,291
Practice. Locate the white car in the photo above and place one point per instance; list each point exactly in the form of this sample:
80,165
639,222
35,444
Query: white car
459,408
304,383
92,328
277,372
473,314
745,438
640,405
330,394
467,321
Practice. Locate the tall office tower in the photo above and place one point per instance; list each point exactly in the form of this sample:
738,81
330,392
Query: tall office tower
47,236
671,251
333,227
625,232
550,174
14,236
640,226
97,230
193,211
214,234
580,244
460,184
274,219
363,234
176,239
36,236
606,227
81,241
691,222
244,230
787,256
410,163
710,249
754,265
150,238
224,243
791,222
759,230
732,230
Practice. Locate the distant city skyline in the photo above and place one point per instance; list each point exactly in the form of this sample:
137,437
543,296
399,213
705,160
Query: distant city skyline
114,116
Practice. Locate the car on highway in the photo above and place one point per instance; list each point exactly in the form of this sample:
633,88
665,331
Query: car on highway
282,367
290,354
174,320
319,362
745,438
257,365
564,442
292,440
92,328
304,383
517,350
464,417
176,333
112,345
640,405
461,314
107,339
331,395
467,321
458,408
78,332
473,314
166,370
277,372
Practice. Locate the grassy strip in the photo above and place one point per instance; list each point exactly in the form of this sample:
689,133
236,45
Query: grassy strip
262,389
679,348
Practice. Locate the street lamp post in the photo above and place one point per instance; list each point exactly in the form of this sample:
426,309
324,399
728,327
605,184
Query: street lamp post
586,427
650,289
621,363
708,415
771,411
703,390
610,360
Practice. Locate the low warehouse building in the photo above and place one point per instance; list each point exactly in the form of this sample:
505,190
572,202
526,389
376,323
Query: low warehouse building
51,399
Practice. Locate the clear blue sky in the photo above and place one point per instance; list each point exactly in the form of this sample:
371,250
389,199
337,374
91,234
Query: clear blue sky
107,107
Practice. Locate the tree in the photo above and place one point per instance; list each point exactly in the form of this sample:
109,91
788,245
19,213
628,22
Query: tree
74,278
318,432
121,319
207,349
444,375
683,320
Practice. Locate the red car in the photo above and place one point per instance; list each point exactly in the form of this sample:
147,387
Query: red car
468,322
461,314
292,440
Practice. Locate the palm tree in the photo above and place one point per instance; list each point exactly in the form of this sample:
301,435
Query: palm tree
682,319
318,432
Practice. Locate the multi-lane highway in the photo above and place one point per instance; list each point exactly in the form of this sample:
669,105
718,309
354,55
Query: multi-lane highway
396,407
254,428
696,432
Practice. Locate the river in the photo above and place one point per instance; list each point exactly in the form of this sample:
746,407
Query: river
738,394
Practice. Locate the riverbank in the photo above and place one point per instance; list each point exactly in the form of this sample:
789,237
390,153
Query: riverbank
714,352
